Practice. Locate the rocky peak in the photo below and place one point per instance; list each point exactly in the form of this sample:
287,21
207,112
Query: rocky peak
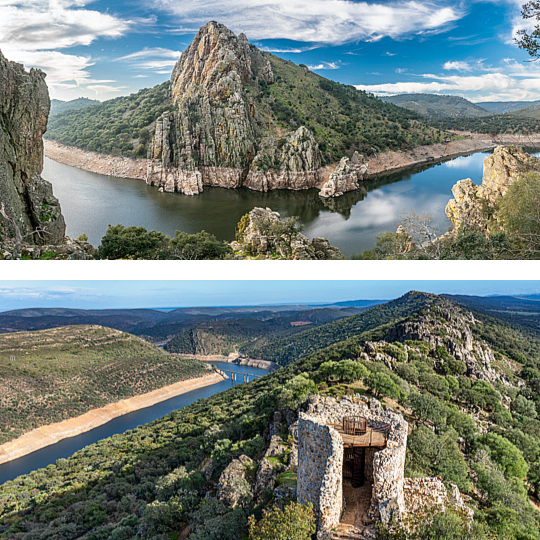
214,54
28,199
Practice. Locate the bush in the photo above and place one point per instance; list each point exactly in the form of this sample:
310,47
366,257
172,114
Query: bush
198,246
295,522
506,455
131,243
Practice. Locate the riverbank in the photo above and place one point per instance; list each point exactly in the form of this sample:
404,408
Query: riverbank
52,433
385,163
235,359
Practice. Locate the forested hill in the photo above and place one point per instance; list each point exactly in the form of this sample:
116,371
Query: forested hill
58,106
472,413
342,118
438,106
284,350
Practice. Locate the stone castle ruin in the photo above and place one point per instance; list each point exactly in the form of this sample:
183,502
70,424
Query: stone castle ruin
351,467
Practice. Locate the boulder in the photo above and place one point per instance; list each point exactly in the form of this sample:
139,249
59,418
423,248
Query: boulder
232,484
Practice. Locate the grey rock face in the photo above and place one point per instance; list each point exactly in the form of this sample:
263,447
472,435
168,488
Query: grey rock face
27,198
346,177
232,482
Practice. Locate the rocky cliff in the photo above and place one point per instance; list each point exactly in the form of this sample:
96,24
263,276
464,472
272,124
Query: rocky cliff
27,199
219,136
473,205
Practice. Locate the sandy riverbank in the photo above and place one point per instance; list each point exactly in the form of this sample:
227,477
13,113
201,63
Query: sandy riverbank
384,163
51,434
235,359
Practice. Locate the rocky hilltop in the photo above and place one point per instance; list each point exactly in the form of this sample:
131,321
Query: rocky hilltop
473,205
219,135
27,199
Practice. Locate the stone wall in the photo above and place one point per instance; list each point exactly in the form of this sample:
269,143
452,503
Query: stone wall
320,476
320,459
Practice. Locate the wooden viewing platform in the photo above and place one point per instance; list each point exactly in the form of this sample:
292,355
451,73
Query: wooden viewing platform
372,437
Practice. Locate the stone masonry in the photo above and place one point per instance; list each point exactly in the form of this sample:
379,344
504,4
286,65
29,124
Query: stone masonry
320,467
320,460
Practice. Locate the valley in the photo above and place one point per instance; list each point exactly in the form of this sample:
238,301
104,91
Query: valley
464,381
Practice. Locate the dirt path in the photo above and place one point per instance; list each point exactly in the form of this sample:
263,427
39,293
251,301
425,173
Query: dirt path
51,434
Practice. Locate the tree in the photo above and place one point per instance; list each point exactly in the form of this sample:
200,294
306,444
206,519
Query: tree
506,455
131,243
295,522
382,384
524,406
530,41
198,246
519,212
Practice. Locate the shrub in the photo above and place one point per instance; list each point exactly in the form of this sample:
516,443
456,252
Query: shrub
295,522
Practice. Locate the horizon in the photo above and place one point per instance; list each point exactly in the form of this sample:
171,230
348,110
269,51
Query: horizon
220,294
103,49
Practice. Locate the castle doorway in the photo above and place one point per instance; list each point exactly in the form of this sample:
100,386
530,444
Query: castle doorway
354,466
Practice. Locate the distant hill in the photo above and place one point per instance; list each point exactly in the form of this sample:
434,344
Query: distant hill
532,111
58,106
501,107
437,106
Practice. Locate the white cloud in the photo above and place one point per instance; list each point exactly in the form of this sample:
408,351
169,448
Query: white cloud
33,32
156,59
317,21
324,65
151,52
457,66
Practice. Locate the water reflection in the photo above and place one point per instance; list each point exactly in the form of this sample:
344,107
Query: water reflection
91,202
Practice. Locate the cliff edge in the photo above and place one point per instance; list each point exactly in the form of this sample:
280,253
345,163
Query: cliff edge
27,199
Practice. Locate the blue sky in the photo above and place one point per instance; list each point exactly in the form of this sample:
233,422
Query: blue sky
106,48
155,294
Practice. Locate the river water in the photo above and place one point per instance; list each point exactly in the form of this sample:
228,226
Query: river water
67,447
90,202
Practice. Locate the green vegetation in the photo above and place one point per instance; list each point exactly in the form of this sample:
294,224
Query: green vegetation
148,482
342,118
294,522
137,243
119,126
492,125
287,349
52,375
437,106
58,106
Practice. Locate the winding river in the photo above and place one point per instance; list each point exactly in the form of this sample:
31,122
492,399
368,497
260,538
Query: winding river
90,202
67,447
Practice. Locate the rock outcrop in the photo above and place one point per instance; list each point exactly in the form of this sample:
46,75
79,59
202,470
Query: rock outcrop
263,234
346,176
473,205
28,200
218,136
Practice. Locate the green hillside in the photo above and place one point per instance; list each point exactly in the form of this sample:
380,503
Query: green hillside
225,337
342,118
492,125
284,350
119,126
159,479
436,106
501,107
58,106
52,375
532,111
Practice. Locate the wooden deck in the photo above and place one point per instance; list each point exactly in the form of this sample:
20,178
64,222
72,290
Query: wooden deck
372,437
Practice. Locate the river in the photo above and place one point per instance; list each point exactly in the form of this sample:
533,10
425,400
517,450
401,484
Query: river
90,202
67,447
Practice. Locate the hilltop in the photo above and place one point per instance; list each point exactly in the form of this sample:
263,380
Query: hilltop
265,122
471,408
58,106
52,375
437,106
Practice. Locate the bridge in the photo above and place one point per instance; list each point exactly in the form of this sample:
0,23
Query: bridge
234,375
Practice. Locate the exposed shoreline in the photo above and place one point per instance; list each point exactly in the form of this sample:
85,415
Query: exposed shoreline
234,359
382,164
47,435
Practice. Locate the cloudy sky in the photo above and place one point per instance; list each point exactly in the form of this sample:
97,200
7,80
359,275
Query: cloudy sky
105,48
167,294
